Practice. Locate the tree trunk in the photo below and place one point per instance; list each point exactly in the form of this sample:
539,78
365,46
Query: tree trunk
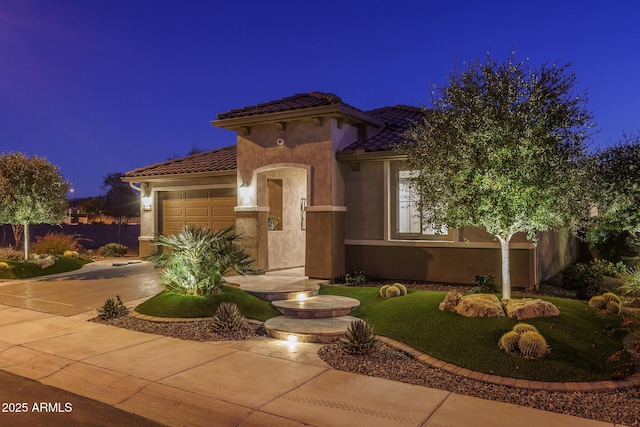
26,241
506,275
17,234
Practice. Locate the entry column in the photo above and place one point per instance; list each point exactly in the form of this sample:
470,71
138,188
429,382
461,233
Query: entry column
325,251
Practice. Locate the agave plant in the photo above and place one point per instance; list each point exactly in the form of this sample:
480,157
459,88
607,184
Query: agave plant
196,259
631,282
359,338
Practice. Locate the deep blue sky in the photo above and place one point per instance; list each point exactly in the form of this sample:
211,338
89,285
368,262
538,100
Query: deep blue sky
100,86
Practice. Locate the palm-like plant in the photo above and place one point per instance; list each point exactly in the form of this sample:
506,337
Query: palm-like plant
196,259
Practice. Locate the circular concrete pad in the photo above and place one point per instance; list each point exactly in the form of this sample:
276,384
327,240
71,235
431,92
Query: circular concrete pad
308,330
317,307
271,288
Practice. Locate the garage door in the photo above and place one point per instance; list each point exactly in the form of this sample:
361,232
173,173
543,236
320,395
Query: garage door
209,208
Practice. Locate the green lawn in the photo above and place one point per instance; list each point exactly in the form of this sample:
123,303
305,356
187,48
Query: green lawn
26,270
580,344
169,304
581,340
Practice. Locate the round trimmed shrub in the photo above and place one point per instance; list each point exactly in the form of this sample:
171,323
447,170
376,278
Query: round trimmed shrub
393,292
598,302
521,328
113,250
613,307
383,291
532,345
610,296
509,341
402,288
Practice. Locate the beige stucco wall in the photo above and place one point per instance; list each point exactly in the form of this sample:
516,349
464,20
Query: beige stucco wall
556,250
438,264
365,201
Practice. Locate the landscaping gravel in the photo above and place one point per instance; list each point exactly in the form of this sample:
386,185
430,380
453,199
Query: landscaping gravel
620,407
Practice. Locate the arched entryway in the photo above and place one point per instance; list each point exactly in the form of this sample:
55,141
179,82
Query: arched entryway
283,189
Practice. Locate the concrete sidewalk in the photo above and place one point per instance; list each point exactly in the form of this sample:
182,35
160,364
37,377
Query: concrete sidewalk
262,382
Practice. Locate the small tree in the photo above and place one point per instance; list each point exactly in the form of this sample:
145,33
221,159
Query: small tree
502,149
196,259
615,231
120,201
32,191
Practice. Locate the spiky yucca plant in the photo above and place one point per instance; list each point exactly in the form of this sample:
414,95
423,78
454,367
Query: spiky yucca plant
359,338
228,318
195,260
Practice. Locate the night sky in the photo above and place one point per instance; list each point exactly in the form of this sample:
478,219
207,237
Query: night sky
99,86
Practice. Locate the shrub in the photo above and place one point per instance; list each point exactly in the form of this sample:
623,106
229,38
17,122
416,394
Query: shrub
228,318
532,345
383,291
359,338
509,342
4,266
607,268
196,259
403,288
521,328
356,279
610,296
113,250
71,254
613,307
10,253
112,309
631,282
392,292
55,243
485,284
585,280
598,302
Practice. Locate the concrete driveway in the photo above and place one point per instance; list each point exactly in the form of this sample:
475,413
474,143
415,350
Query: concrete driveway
83,290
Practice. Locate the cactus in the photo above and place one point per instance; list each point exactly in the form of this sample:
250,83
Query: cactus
228,318
612,307
598,302
112,309
609,296
359,338
509,342
532,345
402,288
383,291
4,266
71,254
393,291
521,328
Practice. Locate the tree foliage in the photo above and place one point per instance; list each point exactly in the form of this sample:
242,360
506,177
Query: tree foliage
502,148
120,200
615,231
32,191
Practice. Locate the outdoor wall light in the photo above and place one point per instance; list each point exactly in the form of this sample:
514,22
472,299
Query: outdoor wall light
246,193
146,203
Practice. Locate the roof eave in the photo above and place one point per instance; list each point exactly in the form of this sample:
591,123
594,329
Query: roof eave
168,177
336,110
368,156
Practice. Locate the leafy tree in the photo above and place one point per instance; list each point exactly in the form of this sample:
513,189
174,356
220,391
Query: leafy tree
32,191
502,148
120,200
615,231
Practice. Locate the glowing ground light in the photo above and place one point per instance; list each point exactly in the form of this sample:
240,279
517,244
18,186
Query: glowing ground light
292,338
301,296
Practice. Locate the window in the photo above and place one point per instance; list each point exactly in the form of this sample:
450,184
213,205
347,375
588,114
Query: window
275,201
406,217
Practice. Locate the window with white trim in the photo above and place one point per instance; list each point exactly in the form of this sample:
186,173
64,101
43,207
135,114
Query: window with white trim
407,221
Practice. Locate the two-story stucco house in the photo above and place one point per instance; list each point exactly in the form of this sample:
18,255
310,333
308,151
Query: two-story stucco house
314,182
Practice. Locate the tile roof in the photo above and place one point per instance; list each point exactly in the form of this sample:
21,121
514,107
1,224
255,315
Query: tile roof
296,102
221,159
396,120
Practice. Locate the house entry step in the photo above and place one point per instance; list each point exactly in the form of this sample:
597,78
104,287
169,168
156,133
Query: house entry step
308,330
316,307
273,290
